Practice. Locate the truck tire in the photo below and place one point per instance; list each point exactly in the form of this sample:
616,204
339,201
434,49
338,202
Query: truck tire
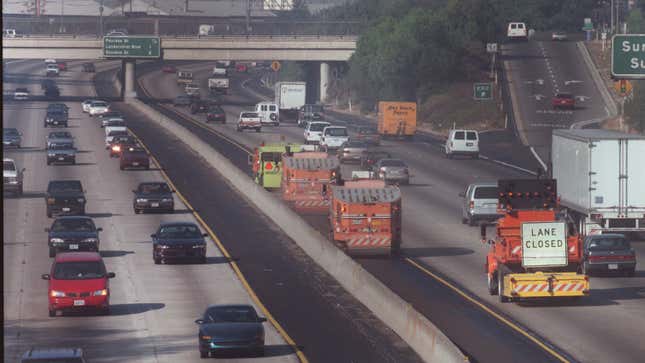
584,268
492,284
501,272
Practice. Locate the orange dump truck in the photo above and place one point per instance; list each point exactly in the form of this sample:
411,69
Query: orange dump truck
306,178
397,119
365,217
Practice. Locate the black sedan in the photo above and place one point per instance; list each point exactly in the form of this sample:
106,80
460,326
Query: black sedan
73,233
182,100
178,240
230,327
215,113
152,197
608,253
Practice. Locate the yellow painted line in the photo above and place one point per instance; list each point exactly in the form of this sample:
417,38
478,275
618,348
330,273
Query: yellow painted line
204,127
488,310
233,264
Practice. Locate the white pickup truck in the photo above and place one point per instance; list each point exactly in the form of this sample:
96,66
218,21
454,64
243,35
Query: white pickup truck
249,120
218,85
219,71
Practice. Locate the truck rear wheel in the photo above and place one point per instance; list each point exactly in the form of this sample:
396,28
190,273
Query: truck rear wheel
501,272
492,284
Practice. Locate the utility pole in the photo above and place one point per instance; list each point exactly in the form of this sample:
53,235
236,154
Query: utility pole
248,17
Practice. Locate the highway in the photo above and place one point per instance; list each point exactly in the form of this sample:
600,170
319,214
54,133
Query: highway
603,327
154,307
539,69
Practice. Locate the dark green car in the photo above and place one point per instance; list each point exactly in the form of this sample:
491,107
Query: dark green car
230,328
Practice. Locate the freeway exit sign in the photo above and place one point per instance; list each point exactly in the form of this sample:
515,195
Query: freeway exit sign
628,56
483,91
131,47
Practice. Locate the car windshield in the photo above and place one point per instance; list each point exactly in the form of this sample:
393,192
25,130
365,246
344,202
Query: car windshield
317,127
117,133
79,270
73,225
392,162
115,122
99,104
60,135
231,314
65,186
486,193
459,135
179,231
336,131
471,135
8,166
215,109
56,113
608,244
153,188
564,95
61,146
21,90
250,114
10,132
356,144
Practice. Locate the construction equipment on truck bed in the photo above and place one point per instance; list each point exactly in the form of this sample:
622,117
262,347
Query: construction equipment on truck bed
306,178
267,162
397,119
365,217
537,251
184,77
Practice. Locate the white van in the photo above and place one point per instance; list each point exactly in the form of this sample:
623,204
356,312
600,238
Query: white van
517,31
314,130
268,112
462,142
334,137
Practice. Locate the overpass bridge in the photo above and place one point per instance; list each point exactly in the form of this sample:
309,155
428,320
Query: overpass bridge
322,49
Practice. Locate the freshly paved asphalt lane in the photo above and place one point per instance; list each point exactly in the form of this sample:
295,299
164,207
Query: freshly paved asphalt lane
603,327
327,322
537,71
153,307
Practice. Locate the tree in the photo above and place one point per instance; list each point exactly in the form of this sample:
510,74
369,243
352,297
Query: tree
635,22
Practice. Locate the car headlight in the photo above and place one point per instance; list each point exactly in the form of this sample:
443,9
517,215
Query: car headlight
55,293
200,246
49,119
51,200
56,240
103,292
206,337
116,148
90,240
51,154
141,200
166,200
81,200
163,247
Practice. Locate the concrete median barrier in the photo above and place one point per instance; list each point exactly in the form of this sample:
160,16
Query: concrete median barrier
426,339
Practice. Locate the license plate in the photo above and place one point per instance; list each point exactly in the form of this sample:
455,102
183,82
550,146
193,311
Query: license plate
469,144
154,204
79,302
55,122
73,247
61,158
66,209
135,163
613,266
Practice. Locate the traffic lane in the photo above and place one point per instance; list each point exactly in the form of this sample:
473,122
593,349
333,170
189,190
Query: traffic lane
278,270
443,227
129,251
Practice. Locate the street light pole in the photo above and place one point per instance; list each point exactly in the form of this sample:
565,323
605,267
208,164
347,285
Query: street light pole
612,17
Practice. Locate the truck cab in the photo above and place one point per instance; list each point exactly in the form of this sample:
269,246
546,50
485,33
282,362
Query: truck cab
268,112
267,163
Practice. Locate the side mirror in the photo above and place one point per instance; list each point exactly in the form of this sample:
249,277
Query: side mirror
262,320
204,234
99,229
45,277
111,275
462,194
199,321
154,235
46,229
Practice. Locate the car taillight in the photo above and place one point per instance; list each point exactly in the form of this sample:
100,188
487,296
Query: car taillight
116,148
471,205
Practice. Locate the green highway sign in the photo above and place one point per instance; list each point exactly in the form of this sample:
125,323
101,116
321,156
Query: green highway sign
628,56
483,91
131,47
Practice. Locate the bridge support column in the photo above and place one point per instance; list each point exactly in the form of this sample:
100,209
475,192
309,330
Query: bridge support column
324,81
129,91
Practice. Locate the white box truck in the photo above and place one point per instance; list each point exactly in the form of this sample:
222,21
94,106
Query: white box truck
601,179
218,85
290,96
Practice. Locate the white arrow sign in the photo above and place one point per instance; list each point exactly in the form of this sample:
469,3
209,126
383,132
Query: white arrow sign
583,98
566,83
538,97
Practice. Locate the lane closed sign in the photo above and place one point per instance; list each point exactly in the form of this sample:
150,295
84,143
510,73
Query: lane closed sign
544,244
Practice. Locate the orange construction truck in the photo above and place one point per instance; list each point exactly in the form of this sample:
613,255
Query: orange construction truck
306,178
537,251
365,217
397,119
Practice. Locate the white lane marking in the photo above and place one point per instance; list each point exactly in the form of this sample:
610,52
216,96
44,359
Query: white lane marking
539,159
573,81
607,110
508,165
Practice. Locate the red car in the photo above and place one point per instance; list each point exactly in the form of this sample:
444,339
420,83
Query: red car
62,66
564,100
78,281
242,68
134,157
169,69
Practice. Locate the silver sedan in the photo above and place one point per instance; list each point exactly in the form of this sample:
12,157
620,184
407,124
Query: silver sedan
393,171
